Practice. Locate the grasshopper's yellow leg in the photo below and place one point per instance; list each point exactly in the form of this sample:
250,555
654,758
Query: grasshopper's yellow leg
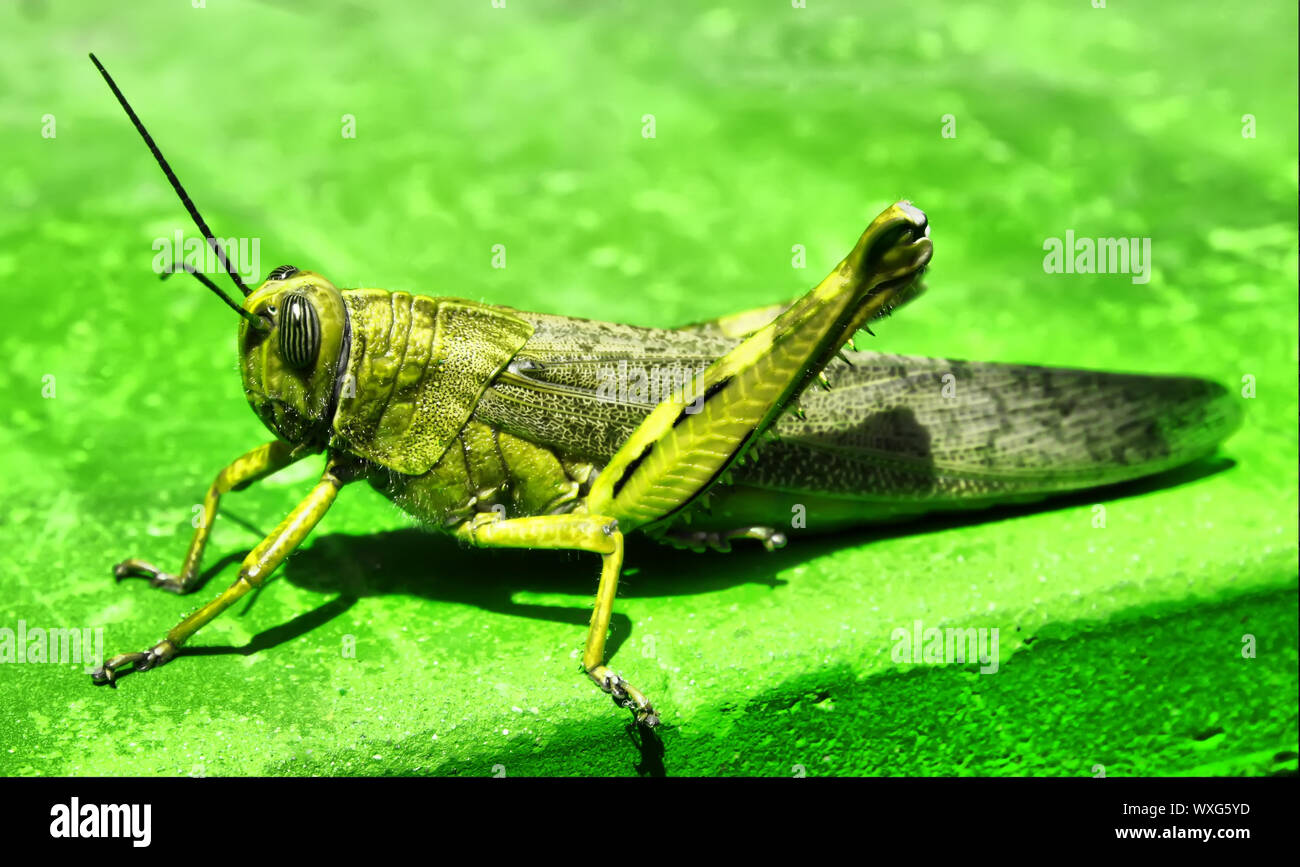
254,572
746,322
261,462
738,325
687,442
575,532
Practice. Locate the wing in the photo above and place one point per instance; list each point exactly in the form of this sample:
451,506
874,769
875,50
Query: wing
895,434
934,429
582,386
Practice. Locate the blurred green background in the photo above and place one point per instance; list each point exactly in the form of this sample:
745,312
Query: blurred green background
774,126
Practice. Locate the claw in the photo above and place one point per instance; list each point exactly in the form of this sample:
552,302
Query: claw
614,686
161,652
103,675
626,696
140,569
701,540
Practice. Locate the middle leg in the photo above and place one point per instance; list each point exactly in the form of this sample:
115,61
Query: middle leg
575,532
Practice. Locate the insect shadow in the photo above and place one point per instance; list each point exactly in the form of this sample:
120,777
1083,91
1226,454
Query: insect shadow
419,563
416,562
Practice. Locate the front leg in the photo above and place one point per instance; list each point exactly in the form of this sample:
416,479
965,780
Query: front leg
254,572
576,533
242,472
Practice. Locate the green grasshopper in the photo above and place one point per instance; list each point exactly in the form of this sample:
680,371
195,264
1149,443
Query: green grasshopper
496,425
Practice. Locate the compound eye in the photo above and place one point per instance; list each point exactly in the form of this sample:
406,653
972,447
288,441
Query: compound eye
299,327
284,272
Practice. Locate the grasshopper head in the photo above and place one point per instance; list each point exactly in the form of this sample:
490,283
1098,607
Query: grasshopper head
291,370
294,333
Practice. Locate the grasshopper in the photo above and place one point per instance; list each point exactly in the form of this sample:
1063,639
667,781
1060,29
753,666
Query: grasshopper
495,425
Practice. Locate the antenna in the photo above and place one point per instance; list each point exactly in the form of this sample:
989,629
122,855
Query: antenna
175,182
256,321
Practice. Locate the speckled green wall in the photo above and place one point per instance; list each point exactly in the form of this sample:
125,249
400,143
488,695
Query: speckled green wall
1121,647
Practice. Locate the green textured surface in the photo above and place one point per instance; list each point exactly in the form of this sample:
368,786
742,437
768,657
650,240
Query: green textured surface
775,126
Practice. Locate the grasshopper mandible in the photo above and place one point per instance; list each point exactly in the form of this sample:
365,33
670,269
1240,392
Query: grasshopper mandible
493,424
